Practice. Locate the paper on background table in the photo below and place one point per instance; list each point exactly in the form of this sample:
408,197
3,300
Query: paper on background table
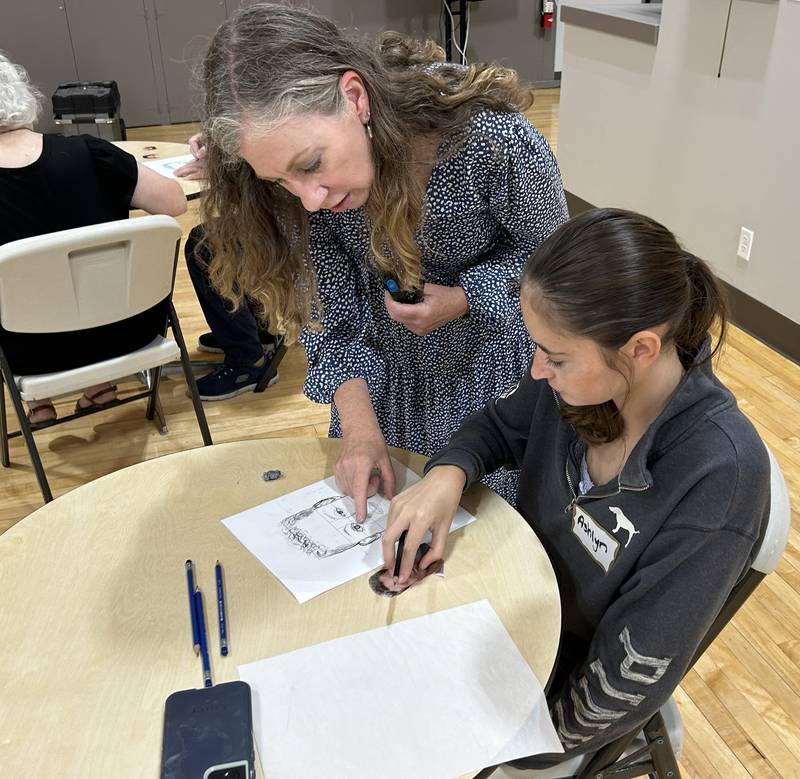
436,697
167,166
309,538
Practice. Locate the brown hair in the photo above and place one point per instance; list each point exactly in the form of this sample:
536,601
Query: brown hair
268,62
607,274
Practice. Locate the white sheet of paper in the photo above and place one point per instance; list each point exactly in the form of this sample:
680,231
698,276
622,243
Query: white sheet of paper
167,166
436,697
309,538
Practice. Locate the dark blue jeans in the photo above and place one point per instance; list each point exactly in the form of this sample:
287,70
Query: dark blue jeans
238,333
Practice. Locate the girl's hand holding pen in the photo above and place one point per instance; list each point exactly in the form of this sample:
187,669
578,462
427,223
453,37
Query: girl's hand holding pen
439,306
196,169
430,504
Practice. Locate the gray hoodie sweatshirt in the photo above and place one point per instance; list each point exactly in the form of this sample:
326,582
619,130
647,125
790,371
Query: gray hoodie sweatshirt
645,562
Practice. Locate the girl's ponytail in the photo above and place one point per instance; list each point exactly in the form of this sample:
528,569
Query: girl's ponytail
708,305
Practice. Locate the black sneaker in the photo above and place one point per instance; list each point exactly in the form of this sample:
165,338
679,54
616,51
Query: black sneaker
207,342
227,381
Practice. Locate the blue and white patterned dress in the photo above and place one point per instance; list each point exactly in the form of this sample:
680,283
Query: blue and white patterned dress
487,207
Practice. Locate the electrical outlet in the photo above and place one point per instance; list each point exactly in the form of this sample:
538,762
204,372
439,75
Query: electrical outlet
745,244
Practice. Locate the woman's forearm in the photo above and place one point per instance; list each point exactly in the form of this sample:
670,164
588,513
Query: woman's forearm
355,408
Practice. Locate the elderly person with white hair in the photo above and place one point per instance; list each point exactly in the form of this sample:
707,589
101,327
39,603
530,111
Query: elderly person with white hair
50,183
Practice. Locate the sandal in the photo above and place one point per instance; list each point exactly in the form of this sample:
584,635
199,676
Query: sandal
49,419
92,399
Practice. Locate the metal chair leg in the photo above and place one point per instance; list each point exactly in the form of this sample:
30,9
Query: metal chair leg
655,758
4,458
154,407
272,368
197,365
187,372
161,416
25,427
155,383
663,756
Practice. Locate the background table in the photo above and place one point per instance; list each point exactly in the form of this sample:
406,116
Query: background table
94,618
139,149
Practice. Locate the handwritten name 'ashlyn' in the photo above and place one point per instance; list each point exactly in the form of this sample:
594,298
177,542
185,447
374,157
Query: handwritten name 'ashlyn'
588,531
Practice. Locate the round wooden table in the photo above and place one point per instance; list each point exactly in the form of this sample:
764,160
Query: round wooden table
151,150
94,618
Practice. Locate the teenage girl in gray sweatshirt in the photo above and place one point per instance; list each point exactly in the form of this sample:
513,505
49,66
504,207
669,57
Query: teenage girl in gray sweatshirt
647,486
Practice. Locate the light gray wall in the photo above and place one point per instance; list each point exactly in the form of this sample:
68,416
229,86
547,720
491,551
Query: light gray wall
505,31
150,47
654,129
558,56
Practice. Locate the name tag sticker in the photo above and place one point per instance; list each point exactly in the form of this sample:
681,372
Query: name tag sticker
600,544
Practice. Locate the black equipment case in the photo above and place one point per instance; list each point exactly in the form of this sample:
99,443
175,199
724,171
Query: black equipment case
89,107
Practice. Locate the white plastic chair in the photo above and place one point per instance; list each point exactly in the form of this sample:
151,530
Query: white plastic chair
654,749
84,278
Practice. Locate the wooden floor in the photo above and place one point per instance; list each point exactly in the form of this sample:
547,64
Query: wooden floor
741,702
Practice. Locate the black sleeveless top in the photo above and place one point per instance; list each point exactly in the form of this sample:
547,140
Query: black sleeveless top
76,181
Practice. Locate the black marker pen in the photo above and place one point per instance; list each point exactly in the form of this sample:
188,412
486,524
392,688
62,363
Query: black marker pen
398,558
403,296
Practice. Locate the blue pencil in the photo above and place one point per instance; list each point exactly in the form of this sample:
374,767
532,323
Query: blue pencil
201,627
223,636
190,582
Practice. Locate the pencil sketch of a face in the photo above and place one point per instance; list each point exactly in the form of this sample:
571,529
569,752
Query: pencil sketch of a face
329,527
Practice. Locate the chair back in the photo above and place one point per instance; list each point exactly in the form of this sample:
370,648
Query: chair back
780,519
89,276
770,549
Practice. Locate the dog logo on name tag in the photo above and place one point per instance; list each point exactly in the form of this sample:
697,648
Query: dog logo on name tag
599,543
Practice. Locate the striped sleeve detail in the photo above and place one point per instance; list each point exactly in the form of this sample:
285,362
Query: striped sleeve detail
658,665
578,715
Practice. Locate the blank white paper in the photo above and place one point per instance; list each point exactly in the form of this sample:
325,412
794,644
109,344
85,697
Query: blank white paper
436,697
309,538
